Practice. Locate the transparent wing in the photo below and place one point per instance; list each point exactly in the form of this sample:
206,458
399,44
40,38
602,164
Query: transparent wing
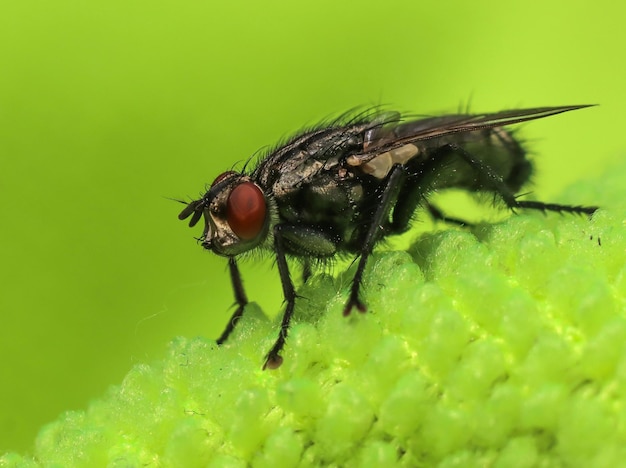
392,134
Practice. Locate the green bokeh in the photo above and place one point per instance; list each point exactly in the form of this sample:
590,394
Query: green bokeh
108,108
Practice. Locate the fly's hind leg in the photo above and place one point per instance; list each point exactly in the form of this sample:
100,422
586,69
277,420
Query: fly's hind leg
379,222
307,270
541,206
495,183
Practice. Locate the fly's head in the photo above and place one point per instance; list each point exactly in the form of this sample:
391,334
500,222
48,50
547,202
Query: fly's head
236,215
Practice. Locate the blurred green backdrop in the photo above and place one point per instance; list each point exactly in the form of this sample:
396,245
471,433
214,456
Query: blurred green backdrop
108,108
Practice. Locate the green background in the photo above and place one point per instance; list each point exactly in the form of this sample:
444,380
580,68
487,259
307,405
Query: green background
108,108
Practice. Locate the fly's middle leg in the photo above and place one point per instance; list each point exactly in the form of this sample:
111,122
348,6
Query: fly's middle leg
379,221
414,194
438,215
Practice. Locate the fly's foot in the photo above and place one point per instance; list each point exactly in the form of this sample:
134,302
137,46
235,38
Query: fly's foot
354,301
272,361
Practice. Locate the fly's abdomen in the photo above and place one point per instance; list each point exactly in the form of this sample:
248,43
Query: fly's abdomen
495,148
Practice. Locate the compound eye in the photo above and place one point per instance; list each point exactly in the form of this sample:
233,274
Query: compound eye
222,176
246,210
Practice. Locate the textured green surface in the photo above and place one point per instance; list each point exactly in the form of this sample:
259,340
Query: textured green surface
503,346
107,107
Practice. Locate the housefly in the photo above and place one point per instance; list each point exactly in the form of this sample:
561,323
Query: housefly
341,187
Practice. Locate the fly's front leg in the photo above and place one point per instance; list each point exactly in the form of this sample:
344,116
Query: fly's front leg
388,197
273,360
240,299
302,240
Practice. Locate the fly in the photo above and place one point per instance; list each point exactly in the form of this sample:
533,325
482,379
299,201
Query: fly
343,186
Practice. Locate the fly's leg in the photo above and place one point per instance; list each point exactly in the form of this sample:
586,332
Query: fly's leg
240,299
541,206
439,215
306,270
500,187
302,239
388,197
411,196
273,360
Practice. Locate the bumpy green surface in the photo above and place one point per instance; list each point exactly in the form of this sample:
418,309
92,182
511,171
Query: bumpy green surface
500,346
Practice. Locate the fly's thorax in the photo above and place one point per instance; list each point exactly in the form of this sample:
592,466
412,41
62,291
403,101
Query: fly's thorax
236,215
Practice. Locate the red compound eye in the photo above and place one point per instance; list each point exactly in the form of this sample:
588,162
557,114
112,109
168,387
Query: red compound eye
222,176
245,210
